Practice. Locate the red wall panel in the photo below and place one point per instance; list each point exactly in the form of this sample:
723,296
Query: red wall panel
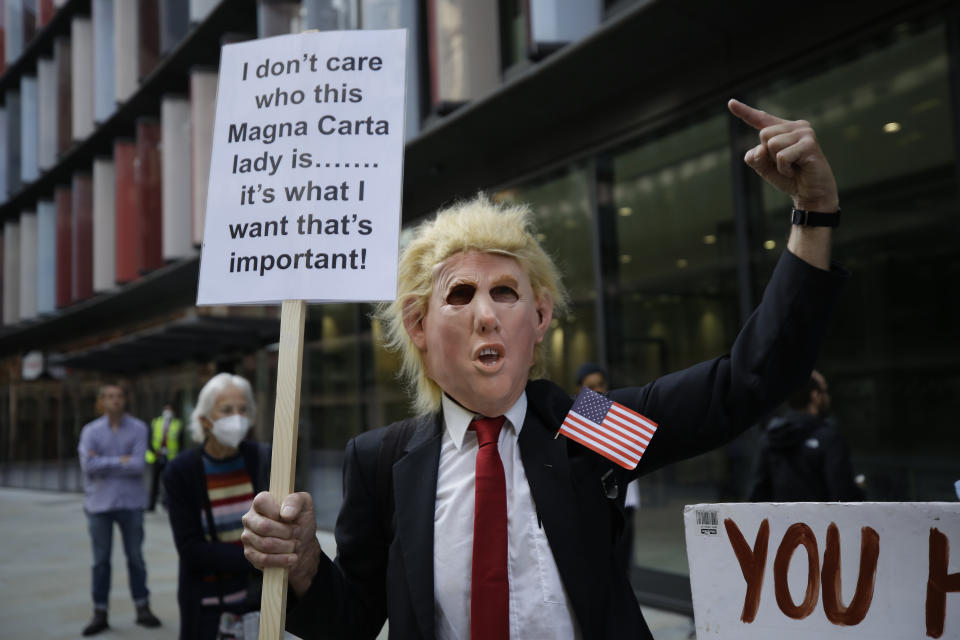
149,196
64,203
124,159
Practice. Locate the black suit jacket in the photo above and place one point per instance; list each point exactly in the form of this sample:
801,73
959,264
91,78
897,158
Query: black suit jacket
384,565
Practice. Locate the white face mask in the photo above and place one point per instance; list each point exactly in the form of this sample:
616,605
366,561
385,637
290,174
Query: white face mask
167,414
229,431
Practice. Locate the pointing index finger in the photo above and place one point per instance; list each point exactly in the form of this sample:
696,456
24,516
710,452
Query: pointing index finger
754,117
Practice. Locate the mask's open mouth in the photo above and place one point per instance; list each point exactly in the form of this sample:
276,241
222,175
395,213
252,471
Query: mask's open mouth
488,356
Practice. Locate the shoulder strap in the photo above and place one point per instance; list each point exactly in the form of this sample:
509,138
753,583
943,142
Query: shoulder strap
207,508
394,440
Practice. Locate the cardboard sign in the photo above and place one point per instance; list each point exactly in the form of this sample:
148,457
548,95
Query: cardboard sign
795,571
305,175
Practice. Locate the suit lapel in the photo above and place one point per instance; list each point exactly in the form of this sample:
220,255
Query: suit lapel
547,468
415,494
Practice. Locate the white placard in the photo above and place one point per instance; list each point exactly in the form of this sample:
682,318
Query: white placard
306,170
883,556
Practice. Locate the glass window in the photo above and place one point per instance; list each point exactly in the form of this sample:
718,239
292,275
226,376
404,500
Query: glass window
672,271
564,223
334,368
673,234
335,14
885,120
393,402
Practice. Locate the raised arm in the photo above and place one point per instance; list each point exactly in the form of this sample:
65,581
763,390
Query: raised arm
708,404
789,158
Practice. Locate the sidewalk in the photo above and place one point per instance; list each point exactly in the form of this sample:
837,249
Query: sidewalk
45,578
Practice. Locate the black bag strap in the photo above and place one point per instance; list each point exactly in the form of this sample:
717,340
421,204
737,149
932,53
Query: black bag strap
211,526
207,507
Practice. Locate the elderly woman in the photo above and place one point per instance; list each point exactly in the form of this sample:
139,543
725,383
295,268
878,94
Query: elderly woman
209,488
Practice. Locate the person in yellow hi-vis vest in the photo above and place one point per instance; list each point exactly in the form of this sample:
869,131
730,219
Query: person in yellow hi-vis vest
166,440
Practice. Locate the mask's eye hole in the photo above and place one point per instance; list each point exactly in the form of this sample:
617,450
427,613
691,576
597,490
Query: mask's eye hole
461,294
504,293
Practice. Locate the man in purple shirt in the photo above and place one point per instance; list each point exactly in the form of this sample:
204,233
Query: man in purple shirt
112,459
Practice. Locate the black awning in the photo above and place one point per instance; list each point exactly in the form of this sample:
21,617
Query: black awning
199,339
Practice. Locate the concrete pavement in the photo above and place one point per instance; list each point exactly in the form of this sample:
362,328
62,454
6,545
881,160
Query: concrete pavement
45,576
46,558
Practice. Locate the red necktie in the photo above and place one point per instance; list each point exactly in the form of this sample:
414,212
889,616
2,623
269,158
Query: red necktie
489,589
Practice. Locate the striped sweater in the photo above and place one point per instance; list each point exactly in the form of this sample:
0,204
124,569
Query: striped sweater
231,495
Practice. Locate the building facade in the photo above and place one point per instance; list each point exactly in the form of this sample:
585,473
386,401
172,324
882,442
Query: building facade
609,117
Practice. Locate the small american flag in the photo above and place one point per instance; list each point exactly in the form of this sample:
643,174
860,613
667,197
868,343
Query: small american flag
609,428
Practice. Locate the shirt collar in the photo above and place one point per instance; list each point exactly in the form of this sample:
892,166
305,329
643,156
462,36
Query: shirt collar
456,418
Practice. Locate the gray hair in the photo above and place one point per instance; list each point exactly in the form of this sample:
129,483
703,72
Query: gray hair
208,398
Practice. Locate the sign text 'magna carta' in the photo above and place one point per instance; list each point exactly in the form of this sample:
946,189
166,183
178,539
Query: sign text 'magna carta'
805,570
305,178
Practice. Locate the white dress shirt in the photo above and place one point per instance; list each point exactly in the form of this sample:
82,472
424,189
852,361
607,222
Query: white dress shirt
538,602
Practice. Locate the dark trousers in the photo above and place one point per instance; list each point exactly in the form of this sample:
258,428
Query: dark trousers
156,471
100,526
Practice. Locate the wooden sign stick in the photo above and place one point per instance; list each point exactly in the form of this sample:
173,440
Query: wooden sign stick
286,418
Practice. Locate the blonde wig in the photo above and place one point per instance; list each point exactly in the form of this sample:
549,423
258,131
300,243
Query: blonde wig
474,225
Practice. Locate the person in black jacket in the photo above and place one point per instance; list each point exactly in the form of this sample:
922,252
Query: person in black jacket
208,490
476,296
802,456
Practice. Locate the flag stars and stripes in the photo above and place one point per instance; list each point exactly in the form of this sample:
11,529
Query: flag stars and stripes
608,428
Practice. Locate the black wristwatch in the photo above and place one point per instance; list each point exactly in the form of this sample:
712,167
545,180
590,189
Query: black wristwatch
803,218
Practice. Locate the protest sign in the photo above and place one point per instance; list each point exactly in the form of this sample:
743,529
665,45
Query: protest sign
303,202
305,175
796,571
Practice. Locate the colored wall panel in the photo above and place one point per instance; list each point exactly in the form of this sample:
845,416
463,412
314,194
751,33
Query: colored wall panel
46,113
61,59
104,90
28,128
463,62
82,272
104,225
125,29
3,40
149,196
124,159
64,203
3,152
46,256
45,12
29,21
81,69
148,53
28,265
14,180
203,96
11,271
177,227
13,27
